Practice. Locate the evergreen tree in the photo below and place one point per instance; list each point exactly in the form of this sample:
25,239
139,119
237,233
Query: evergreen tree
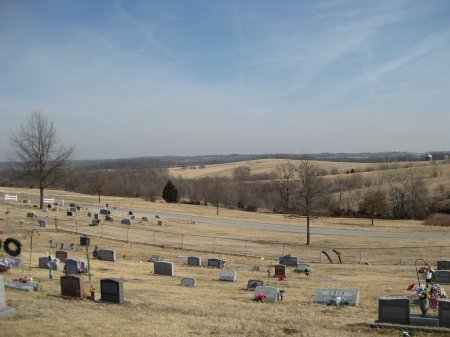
170,192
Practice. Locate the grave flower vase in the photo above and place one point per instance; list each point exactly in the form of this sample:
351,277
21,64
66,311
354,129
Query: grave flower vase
424,306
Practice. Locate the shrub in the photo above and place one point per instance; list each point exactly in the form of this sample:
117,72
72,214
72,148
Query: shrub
170,193
438,219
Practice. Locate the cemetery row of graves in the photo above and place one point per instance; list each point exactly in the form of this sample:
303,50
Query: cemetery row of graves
78,267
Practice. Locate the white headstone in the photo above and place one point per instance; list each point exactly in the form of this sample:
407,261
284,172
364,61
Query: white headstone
228,275
272,294
5,311
324,296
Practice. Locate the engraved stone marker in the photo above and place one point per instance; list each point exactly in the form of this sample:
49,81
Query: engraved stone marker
164,268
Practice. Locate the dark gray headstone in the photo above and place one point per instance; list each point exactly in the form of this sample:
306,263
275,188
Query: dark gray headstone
442,276
5,311
126,222
164,268
145,218
256,268
112,290
443,265
133,217
107,255
194,261
288,260
72,286
73,209
188,282
215,263
31,215
252,284
161,223
394,310
280,270
69,213
444,312
228,275
43,223
61,255
72,266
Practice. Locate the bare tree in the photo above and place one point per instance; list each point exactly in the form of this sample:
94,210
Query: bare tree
285,174
374,201
98,186
309,189
37,154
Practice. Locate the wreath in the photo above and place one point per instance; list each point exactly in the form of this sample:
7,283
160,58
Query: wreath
17,246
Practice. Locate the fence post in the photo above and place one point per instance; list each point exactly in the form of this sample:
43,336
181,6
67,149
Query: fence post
214,249
360,255
441,254
56,225
401,255
76,226
101,231
154,238
321,249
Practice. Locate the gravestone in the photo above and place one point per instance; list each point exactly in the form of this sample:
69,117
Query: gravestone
164,268
52,243
89,214
145,218
188,282
272,294
443,265
17,261
394,310
69,213
55,209
256,268
45,210
194,261
107,255
133,217
31,215
73,209
288,260
112,290
66,246
442,276
43,263
228,275
21,286
72,286
215,263
96,216
43,223
161,223
154,258
126,222
130,212
85,241
280,270
324,296
252,284
302,268
72,266
26,201
444,312
5,311
61,255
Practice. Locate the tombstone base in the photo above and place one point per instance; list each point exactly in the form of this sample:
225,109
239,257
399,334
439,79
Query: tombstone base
21,286
7,312
400,327
423,321
109,302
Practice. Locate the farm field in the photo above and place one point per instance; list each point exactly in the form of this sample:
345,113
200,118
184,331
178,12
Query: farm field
161,307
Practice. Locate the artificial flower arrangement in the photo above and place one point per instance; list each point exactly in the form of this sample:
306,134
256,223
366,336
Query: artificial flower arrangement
432,294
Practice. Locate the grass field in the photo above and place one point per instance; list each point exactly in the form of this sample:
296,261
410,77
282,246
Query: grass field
161,307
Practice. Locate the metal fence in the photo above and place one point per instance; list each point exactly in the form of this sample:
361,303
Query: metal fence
266,249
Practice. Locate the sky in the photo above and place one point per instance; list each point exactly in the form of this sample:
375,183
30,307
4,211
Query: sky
172,77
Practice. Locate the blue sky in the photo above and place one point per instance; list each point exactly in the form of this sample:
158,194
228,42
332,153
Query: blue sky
138,78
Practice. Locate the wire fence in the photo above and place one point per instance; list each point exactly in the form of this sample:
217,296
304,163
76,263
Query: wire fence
266,249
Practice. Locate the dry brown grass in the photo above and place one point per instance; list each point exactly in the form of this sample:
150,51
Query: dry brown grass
160,307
